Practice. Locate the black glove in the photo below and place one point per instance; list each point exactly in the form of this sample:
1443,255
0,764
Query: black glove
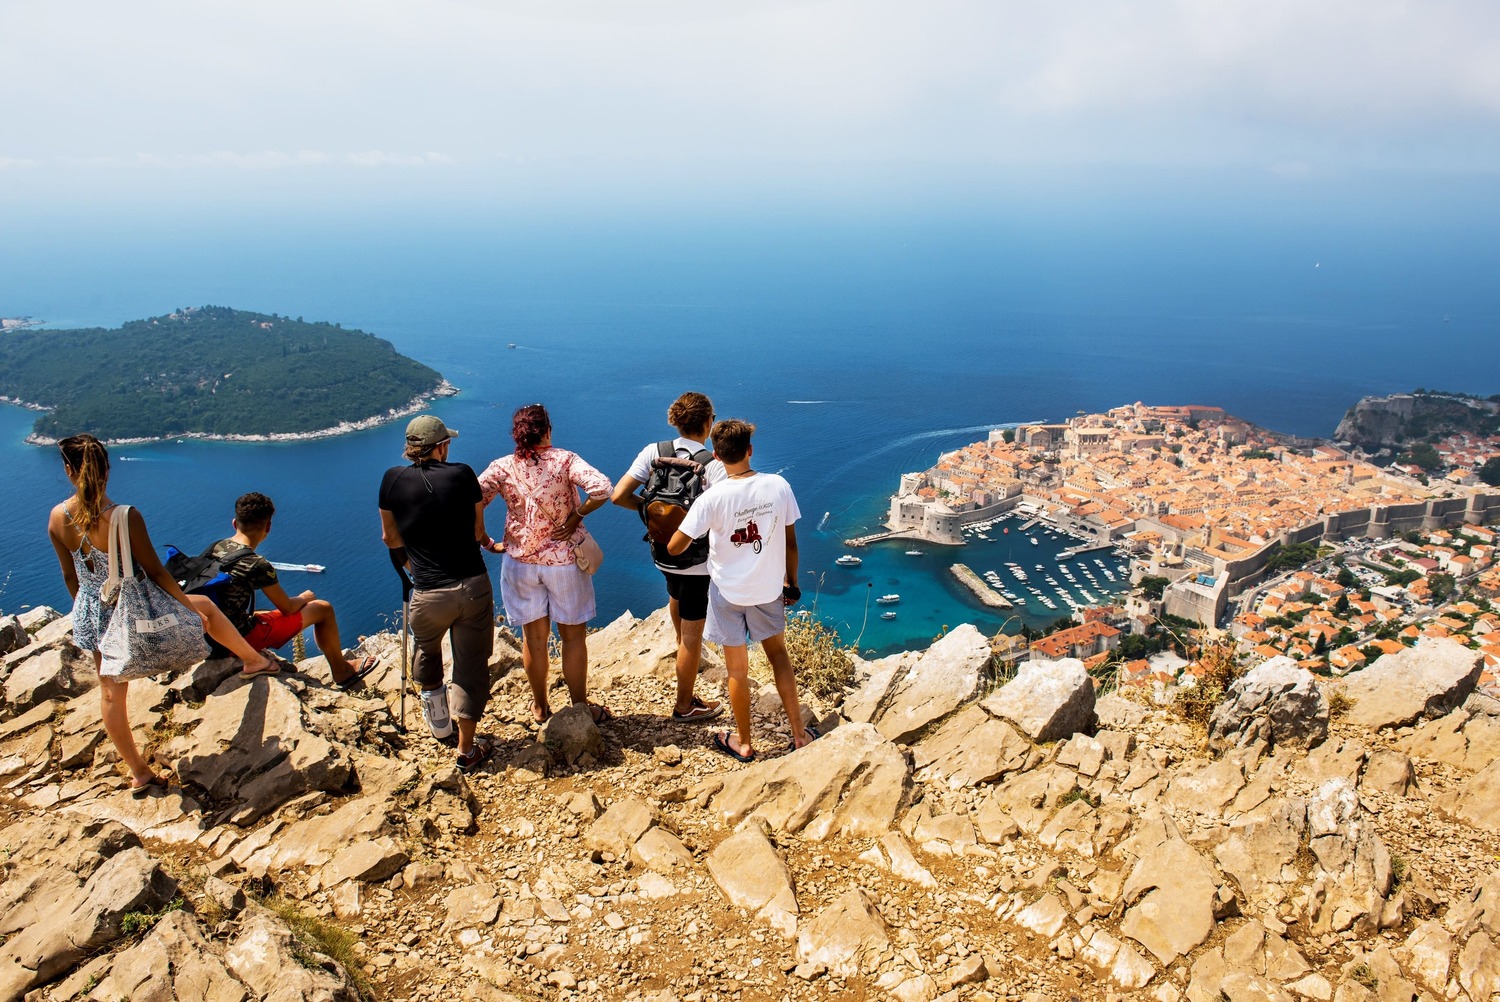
398,561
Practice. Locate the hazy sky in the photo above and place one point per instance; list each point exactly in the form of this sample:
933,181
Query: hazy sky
102,97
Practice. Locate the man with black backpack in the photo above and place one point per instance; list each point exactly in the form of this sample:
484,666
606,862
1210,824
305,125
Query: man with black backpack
670,476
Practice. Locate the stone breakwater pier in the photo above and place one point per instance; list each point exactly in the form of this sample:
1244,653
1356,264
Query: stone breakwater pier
979,587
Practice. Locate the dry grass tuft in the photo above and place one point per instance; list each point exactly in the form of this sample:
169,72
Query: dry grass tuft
1195,704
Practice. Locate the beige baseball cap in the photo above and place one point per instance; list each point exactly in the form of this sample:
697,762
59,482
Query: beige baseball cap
428,430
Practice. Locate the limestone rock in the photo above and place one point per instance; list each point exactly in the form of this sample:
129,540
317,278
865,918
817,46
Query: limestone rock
174,961
1045,916
314,842
856,784
255,747
1429,953
847,937
1030,798
367,860
661,851
905,701
130,881
619,827
1479,967
267,958
1478,800
1275,704
1421,682
1047,700
751,875
1117,960
970,748
1208,790
472,905
13,635
1259,853
62,672
1387,771
570,733
1171,895
204,678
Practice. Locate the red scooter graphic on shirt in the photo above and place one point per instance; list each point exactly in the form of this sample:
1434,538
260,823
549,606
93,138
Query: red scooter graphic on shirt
750,535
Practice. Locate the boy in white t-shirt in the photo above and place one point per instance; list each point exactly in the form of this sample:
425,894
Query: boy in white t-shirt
752,568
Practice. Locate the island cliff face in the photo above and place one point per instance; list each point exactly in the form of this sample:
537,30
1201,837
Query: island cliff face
210,372
950,835
1395,421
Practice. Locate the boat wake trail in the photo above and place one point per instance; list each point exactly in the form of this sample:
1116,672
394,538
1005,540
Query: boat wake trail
913,439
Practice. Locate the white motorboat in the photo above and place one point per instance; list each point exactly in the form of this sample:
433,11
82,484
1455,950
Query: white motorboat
849,560
890,599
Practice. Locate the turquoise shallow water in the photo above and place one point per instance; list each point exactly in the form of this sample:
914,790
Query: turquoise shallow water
862,348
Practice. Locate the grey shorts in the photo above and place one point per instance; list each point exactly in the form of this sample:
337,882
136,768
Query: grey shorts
559,592
733,625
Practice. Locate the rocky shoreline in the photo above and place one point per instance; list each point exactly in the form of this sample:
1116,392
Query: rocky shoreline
413,406
948,838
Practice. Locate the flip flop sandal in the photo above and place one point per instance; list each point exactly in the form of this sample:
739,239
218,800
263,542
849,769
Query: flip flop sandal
813,734
600,713
157,782
364,668
721,742
698,711
272,668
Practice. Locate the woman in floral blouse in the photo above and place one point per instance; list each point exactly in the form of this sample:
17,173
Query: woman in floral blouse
540,582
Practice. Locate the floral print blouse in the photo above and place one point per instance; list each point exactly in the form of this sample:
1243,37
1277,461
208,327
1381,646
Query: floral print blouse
539,496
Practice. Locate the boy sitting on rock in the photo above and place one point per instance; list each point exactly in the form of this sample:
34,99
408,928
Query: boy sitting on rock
250,572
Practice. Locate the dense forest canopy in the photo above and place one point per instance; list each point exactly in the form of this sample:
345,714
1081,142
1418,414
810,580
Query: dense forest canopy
213,371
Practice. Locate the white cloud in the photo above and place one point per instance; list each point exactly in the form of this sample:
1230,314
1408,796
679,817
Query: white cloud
589,82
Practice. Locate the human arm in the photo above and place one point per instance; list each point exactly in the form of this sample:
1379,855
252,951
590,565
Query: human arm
55,523
625,493
284,603
143,555
595,484
679,542
482,534
390,534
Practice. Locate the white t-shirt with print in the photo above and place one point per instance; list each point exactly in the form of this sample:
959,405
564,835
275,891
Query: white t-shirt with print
640,470
738,515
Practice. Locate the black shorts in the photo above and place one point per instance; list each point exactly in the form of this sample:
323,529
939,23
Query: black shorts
691,593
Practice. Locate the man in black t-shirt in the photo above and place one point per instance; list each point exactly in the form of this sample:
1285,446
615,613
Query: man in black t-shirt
432,519
250,572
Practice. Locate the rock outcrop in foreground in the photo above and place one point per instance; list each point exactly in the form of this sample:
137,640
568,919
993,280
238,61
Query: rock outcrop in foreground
947,838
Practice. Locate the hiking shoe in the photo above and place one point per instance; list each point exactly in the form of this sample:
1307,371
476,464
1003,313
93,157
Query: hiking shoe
698,711
478,756
435,712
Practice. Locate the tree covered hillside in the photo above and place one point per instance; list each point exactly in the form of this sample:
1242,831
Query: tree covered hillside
214,371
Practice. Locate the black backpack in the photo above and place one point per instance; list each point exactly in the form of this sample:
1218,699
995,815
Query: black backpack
205,575
672,486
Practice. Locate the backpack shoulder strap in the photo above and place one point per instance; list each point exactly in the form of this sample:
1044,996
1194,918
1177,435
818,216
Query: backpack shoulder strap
702,457
665,450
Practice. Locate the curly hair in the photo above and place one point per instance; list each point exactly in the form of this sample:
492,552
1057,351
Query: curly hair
253,510
528,426
691,412
88,467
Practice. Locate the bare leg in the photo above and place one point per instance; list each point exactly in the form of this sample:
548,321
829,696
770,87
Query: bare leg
689,660
737,663
575,660
534,658
786,685
466,729
319,615
218,626
112,708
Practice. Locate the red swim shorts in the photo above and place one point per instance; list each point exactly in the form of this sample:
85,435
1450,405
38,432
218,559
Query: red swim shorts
273,629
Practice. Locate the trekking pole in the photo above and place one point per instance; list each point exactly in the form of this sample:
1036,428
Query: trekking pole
405,633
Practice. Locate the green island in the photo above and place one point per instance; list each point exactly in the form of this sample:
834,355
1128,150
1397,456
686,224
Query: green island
210,372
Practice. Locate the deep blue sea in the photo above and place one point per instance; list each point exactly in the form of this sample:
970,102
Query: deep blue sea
862,345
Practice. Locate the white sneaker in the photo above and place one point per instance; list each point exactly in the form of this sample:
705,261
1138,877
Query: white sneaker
435,712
